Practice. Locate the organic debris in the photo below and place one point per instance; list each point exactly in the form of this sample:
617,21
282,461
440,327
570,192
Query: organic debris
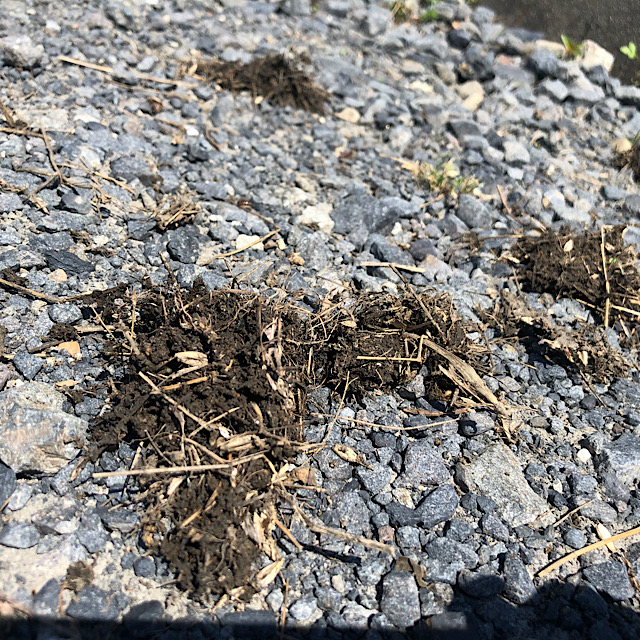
274,78
215,395
585,349
597,269
175,211
630,159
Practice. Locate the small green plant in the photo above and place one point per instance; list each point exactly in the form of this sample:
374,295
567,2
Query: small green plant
444,178
430,15
574,49
630,51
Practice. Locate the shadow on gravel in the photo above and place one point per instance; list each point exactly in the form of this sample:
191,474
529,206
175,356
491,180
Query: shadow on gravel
559,611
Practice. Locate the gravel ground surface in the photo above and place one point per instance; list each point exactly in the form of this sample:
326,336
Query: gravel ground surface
88,153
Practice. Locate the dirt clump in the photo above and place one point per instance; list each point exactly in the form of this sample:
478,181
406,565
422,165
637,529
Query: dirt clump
274,77
630,159
585,349
597,269
215,397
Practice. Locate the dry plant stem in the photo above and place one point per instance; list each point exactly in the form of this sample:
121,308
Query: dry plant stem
20,132
289,535
109,70
31,292
175,403
343,535
403,267
196,468
570,513
469,374
607,304
241,249
592,547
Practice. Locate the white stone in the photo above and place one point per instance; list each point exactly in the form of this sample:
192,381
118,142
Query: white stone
318,216
472,94
593,55
584,455
243,241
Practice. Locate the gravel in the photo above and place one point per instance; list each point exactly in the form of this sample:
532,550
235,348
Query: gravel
471,515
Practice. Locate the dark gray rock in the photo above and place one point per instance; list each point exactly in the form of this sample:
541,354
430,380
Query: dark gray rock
376,479
400,602
519,587
91,533
623,457
77,202
349,513
475,424
68,262
423,465
65,313
19,535
450,551
10,202
627,392
575,538
370,215
464,128
474,213
494,527
296,7
123,520
35,434
544,63
459,38
93,603
377,20
20,51
422,248
184,244
47,601
27,364
144,567
480,584
438,506
128,168
497,474
8,483
611,578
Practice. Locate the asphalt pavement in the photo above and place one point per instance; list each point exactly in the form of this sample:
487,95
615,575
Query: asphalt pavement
611,23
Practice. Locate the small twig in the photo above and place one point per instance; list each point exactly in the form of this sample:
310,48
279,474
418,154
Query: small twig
570,513
31,292
52,159
591,547
197,468
404,267
289,535
241,249
607,304
110,71
20,132
283,611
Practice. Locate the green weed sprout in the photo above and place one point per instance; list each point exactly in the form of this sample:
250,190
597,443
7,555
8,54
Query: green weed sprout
573,48
630,51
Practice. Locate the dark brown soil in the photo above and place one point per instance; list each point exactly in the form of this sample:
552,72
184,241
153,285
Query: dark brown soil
221,378
597,269
273,77
585,349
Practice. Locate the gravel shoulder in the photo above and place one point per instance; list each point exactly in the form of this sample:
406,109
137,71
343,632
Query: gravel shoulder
431,508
